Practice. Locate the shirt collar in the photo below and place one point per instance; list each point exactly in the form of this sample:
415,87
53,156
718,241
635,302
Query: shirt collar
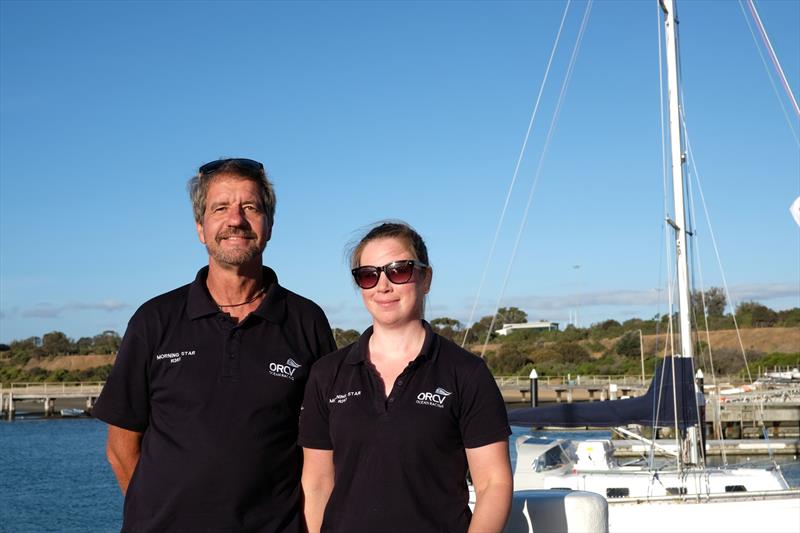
429,351
272,307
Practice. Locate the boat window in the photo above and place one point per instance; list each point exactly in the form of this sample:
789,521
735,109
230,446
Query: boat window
619,492
735,488
550,460
676,491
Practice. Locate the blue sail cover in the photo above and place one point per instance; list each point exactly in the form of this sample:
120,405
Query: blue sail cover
655,408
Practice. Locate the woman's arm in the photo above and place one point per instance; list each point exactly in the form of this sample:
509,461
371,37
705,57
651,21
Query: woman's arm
491,476
317,482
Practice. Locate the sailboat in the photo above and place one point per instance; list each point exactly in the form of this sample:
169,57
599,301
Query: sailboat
684,493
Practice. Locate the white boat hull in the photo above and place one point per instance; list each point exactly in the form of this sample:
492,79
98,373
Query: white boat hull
741,514
725,500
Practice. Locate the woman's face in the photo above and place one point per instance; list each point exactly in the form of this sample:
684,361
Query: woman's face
391,304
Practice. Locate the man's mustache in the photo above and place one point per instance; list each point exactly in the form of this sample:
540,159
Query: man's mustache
234,232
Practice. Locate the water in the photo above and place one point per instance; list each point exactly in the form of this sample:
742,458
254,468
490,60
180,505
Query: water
54,476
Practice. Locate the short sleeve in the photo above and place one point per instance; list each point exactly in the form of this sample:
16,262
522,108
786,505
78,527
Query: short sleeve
325,341
314,421
125,399
483,418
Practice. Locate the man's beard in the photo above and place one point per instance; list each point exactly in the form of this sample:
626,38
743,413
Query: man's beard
236,257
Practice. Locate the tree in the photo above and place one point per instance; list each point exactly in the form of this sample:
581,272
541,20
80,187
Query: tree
84,345
571,333
449,328
755,315
789,317
24,349
607,325
606,329
505,315
628,345
56,343
509,360
764,317
107,342
714,299
572,352
477,333
511,315
343,337
445,322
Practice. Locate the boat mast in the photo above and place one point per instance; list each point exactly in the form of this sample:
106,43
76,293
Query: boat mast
678,159
692,443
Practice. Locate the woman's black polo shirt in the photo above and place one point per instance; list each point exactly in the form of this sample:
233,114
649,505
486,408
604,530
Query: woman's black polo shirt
399,462
218,404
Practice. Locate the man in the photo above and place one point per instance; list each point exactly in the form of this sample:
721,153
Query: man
204,397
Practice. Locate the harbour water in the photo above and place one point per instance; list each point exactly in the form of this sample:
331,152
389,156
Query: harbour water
54,476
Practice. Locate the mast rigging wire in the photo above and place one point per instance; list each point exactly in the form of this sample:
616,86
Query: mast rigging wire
715,246
551,129
516,172
775,62
769,76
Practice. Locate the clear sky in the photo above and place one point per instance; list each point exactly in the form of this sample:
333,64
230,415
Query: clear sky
369,110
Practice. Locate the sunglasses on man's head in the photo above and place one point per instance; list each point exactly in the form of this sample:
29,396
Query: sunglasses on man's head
398,272
250,164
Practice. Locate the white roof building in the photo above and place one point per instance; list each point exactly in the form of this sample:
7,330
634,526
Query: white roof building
541,325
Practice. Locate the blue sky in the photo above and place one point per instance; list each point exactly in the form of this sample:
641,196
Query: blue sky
363,111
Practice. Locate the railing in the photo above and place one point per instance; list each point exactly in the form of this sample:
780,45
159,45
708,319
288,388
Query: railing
524,381
44,387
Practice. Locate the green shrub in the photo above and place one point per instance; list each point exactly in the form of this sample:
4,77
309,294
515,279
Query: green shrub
572,352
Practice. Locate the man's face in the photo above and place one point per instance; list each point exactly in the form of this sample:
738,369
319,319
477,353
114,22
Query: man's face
235,228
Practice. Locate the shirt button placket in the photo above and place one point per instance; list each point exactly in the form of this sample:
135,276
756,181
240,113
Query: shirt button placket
235,343
232,348
395,391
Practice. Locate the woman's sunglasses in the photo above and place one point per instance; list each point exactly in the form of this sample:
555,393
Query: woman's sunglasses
398,272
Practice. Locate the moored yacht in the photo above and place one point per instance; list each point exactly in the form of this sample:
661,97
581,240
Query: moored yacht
681,494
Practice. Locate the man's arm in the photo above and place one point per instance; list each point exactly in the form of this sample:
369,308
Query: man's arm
123,448
491,477
317,481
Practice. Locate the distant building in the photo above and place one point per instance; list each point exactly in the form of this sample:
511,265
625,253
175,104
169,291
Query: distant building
541,325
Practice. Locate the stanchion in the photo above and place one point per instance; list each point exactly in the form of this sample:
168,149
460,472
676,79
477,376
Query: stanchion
534,388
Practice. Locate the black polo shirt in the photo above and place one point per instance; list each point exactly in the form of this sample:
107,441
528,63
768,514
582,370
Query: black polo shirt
218,404
399,462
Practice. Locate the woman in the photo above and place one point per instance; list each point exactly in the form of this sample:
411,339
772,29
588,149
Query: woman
391,423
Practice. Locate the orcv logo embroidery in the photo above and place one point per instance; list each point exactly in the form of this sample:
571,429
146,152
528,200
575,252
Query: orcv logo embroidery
434,399
284,371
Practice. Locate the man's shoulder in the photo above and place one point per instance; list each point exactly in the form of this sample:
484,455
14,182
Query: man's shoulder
175,297
301,306
297,300
302,319
333,360
171,303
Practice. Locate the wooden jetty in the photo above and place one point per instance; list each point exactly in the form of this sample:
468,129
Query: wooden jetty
742,419
47,394
740,416
566,388
774,411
